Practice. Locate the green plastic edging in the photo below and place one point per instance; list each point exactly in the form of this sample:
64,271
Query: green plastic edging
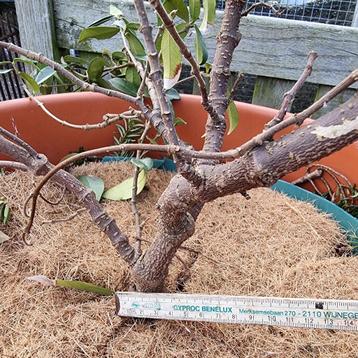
347,222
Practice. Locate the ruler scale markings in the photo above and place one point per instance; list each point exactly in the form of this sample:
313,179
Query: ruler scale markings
307,313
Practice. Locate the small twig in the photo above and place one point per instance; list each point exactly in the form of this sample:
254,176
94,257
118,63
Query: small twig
13,165
290,95
234,86
277,12
69,218
184,80
170,26
308,176
298,118
13,138
107,120
135,211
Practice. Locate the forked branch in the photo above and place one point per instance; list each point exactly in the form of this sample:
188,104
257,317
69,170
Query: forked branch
290,95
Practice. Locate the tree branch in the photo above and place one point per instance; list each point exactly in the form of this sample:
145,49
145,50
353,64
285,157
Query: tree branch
155,74
13,165
227,40
39,165
276,12
107,119
290,95
170,26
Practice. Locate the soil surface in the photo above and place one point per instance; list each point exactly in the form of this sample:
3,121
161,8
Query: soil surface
269,245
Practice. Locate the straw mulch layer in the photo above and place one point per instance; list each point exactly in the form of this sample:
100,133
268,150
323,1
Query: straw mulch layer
269,245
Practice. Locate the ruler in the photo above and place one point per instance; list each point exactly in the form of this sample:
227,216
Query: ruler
273,311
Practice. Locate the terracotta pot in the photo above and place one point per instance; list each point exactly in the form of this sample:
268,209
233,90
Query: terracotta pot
56,141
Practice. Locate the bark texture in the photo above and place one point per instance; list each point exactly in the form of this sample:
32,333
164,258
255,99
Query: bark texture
181,203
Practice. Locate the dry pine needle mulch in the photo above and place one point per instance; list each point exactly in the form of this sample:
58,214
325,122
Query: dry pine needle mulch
269,245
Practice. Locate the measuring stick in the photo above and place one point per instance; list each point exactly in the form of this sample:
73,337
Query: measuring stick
273,311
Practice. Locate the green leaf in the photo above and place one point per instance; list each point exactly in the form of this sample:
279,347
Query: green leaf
132,76
179,6
3,237
6,214
144,163
30,82
209,14
123,191
233,115
94,183
200,47
24,60
95,68
133,26
73,284
179,121
98,32
124,86
84,286
45,74
5,71
134,43
194,8
101,21
71,60
182,29
172,60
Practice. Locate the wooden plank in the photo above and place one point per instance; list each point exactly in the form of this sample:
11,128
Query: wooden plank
269,92
36,26
269,47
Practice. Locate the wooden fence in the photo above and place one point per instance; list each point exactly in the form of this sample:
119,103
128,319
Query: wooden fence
275,50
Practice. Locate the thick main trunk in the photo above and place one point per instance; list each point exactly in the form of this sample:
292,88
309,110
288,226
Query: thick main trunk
181,203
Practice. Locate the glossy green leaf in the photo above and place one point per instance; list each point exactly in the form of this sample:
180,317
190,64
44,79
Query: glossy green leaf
179,121
123,191
71,60
84,286
200,47
144,163
194,8
5,214
209,14
24,60
134,43
73,284
124,86
179,6
172,60
182,29
45,74
94,183
132,76
3,237
98,32
101,21
118,55
5,71
30,82
95,68
233,115
135,26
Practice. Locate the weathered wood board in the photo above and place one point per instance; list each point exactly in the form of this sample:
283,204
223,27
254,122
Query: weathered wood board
36,26
269,47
